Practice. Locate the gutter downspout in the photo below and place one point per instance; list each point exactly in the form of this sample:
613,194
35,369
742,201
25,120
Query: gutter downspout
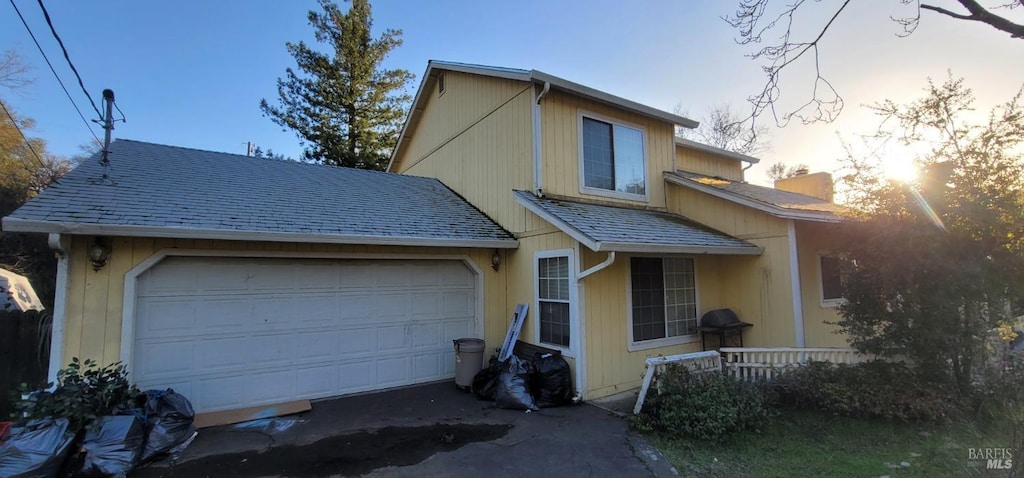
538,180
61,246
794,278
743,171
581,359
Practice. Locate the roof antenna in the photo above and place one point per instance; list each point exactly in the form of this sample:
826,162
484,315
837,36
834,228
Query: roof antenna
108,126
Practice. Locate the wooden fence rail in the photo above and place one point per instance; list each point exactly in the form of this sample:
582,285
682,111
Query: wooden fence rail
751,363
24,353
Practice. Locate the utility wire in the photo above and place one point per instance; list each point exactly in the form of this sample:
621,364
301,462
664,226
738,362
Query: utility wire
55,75
27,143
68,58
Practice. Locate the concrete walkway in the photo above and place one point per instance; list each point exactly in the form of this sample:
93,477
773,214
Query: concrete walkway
558,442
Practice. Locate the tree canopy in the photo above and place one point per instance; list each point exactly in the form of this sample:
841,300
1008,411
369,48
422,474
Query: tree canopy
345,107
932,267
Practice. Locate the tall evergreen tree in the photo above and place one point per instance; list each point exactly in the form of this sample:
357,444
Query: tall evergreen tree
346,109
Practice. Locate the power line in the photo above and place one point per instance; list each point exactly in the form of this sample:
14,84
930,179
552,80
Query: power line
55,75
22,133
68,57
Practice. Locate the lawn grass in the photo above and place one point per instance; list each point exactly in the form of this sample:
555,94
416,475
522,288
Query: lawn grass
818,444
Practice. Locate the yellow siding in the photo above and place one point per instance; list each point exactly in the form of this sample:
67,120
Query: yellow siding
758,288
560,145
95,299
813,239
477,139
703,162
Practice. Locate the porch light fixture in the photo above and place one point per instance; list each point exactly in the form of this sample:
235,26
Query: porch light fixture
99,253
496,260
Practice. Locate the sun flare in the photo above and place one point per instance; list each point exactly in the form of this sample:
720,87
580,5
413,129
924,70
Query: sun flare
899,169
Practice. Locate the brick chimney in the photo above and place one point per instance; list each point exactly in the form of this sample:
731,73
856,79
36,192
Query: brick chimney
817,185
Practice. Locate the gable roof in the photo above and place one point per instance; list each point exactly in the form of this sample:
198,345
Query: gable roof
620,229
686,143
779,203
168,191
434,67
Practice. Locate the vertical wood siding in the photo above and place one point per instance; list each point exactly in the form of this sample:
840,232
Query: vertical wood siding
702,162
560,145
95,298
477,139
814,238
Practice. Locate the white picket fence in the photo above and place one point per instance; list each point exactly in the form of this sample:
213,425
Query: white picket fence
750,363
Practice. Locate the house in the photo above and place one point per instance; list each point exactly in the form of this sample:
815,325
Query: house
627,234
241,281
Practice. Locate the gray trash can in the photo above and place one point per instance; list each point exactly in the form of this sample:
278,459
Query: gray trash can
469,359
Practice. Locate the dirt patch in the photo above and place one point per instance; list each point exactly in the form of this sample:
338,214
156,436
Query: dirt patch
346,455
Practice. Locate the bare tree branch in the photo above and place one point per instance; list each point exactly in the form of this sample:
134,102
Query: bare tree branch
978,13
754,22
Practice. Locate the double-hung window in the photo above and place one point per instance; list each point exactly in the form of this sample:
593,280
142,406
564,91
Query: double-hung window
664,300
613,161
553,300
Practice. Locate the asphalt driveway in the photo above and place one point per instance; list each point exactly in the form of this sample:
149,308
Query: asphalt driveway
428,430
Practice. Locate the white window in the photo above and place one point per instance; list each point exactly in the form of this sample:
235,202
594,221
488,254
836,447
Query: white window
663,301
612,158
555,298
831,276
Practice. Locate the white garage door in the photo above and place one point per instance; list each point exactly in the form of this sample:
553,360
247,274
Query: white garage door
238,332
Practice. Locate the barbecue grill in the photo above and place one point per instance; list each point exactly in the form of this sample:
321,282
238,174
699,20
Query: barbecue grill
723,323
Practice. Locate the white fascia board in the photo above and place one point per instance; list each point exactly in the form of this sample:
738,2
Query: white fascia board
751,203
719,151
607,98
557,222
21,225
678,249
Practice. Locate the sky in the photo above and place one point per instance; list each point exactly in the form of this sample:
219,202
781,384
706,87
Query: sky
191,73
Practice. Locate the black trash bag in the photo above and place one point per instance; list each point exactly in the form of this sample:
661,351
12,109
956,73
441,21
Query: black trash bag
552,381
37,450
112,446
485,382
169,422
514,386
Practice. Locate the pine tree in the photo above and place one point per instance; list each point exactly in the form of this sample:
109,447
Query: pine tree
346,109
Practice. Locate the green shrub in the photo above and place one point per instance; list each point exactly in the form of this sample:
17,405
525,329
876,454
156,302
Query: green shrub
706,407
871,390
84,391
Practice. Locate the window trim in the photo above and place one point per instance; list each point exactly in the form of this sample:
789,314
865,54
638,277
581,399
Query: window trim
825,303
573,301
632,345
442,85
580,114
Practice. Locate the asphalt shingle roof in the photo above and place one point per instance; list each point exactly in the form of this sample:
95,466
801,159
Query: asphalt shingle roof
766,195
635,230
159,189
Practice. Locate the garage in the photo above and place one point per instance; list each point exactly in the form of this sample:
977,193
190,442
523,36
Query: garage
231,332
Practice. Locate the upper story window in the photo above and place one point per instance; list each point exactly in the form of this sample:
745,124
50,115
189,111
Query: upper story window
612,157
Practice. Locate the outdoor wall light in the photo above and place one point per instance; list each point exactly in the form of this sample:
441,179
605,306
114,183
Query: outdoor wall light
99,253
496,260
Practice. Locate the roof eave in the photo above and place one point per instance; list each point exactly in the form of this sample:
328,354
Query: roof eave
678,249
561,225
24,225
780,212
714,150
600,96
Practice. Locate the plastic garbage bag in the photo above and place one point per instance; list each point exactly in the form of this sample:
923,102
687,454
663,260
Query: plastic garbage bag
112,446
552,381
514,386
485,383
169,422
37,450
